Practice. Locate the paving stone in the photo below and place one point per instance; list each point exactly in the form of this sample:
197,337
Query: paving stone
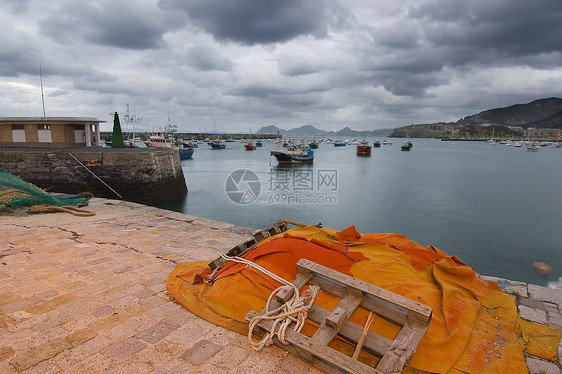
537,366
531,303
533,315
35,355
155,333
509,286
201,352
124,349
5,353
545,294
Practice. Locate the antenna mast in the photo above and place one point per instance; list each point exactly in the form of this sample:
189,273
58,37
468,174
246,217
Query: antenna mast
42,95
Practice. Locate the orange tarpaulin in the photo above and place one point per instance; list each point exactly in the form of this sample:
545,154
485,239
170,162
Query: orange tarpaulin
475,326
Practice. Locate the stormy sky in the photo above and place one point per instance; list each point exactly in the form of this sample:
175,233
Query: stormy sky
238,65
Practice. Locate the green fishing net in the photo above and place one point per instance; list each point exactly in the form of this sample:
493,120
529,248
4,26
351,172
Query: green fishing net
18,197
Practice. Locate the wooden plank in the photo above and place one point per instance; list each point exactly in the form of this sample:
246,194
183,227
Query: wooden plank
374,343
355,285
402,348
343,363
326,333
299,282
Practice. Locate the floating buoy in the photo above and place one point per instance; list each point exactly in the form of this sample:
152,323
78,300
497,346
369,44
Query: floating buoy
542,267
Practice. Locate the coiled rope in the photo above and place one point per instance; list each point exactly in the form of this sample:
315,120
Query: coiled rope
289,221
66,209
295,310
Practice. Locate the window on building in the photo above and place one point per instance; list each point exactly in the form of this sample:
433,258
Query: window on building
18,127
43,127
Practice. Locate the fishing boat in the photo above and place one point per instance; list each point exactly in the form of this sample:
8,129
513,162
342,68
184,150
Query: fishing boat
186,153
313,144
250,146
377,143
407,145
363,149
339,143
190,143
161,141
217,144
294,155
258,143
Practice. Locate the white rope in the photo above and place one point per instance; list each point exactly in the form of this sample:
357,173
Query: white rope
295,310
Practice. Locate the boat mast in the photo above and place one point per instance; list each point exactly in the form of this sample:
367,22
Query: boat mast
42,95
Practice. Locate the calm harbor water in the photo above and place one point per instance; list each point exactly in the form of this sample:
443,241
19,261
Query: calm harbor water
498,208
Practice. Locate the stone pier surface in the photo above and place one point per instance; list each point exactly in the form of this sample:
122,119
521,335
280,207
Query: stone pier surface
88,295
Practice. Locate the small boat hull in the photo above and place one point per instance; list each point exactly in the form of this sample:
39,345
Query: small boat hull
284,158
186,153
363,150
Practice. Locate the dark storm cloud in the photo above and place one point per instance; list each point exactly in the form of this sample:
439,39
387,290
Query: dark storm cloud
410,58
510,28
261,22
120,24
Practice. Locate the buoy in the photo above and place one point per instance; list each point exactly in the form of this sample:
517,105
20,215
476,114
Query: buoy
542,267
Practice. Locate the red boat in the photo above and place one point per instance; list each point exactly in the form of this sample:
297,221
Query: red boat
250,146
364,149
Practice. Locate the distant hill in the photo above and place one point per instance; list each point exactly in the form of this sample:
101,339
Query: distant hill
309,130
508,121
543,113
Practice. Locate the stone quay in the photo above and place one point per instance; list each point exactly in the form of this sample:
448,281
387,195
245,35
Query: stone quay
88,295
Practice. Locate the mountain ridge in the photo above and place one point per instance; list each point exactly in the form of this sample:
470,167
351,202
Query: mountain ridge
309,130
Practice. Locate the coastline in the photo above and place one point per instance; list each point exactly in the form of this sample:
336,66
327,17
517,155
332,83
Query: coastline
88,295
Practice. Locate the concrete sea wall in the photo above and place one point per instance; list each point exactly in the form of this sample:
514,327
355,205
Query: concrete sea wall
141,175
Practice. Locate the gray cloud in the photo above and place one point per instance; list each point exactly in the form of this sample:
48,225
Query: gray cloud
123,24
204,58
261,22
290,63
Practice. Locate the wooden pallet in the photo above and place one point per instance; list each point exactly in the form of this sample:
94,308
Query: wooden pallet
240,249
413,318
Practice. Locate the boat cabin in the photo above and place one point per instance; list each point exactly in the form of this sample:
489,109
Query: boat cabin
54,132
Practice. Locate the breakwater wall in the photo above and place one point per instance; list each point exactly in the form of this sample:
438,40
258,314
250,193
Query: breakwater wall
140,175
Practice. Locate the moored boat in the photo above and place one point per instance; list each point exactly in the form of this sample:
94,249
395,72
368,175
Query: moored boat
217,144
294,155
161,141
407,145
313,144
250,146
186,153
339,143
363,149
377,143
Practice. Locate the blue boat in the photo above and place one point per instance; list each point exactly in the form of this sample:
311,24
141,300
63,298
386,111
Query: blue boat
186,153
258,143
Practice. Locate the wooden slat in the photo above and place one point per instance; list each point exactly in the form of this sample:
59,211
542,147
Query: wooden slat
374,343
401,349
353,285
326,333
341,362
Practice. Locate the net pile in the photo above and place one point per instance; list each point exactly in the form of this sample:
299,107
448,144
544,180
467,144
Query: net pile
18,197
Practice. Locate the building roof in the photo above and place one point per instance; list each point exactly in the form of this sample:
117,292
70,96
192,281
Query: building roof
51,119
